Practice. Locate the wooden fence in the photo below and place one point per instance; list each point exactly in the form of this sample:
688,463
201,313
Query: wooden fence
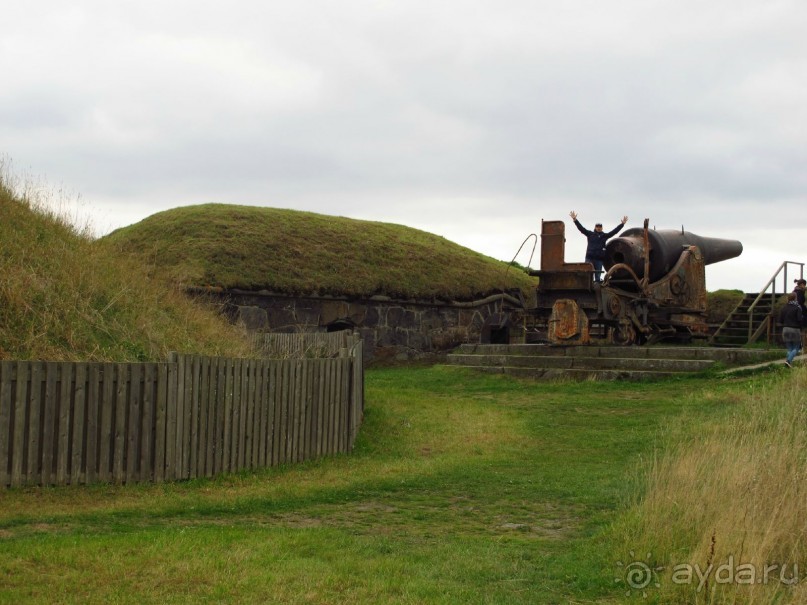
71,423
303,344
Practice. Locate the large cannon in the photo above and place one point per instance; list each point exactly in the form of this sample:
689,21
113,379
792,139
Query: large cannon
662,249
654,287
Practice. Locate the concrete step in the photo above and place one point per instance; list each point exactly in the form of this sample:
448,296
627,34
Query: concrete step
602,363
574,374
726,355
582,362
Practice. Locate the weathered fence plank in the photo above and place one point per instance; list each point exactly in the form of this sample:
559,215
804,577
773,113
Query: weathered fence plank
184,436
147,423
221,392
179,404
239,422
212,424
337,407
93,411
203,399
160,422
285,421
133,430
171,419
50,418
106,422
257,412
63,448
275,373
322,407
33,474
295,412
191,417
333,377
18,416
121,399
261,396
79,389
305,404
254,420
228,417
5,419
316,397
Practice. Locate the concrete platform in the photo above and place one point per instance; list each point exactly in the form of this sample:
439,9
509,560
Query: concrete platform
605,362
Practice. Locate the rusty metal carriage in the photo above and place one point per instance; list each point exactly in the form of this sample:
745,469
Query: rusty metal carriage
654,287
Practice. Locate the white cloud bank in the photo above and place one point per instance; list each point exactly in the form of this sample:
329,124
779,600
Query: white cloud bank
471,120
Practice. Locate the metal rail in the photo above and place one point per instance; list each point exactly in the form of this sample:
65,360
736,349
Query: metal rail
766,322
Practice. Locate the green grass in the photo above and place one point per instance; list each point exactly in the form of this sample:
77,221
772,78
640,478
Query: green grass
720,303
256,248
66,296
463,488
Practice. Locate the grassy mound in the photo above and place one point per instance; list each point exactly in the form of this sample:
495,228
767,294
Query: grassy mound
256,248
65,296
721,303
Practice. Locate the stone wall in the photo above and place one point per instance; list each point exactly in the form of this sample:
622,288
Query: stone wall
391,329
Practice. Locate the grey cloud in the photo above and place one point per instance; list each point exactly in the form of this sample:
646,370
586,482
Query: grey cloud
426,113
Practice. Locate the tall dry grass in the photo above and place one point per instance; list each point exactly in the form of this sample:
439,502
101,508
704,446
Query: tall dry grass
733,495
66,296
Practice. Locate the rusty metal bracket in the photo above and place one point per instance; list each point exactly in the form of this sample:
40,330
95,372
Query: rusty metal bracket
646,278
617,267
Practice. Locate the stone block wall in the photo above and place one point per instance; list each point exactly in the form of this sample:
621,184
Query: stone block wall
391,329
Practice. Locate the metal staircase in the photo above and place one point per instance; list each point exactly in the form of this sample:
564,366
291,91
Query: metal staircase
754,317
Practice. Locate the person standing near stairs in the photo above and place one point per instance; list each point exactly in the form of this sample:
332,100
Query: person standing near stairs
801,286
595,250
791,319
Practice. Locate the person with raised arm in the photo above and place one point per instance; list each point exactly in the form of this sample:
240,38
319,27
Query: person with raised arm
595,250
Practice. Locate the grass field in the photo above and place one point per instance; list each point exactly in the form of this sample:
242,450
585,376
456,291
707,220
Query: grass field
463,488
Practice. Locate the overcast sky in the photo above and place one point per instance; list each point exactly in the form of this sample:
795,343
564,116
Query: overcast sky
472,120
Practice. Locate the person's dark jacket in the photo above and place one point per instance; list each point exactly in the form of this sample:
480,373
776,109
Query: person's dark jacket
596,241
800,299
790,315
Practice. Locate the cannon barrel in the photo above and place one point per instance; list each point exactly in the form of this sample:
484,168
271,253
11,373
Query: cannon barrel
666,246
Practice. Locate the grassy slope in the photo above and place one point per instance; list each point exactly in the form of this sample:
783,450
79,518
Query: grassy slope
301,252
64,296
720,303
733,495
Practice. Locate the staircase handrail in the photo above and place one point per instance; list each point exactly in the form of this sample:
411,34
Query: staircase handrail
763,292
